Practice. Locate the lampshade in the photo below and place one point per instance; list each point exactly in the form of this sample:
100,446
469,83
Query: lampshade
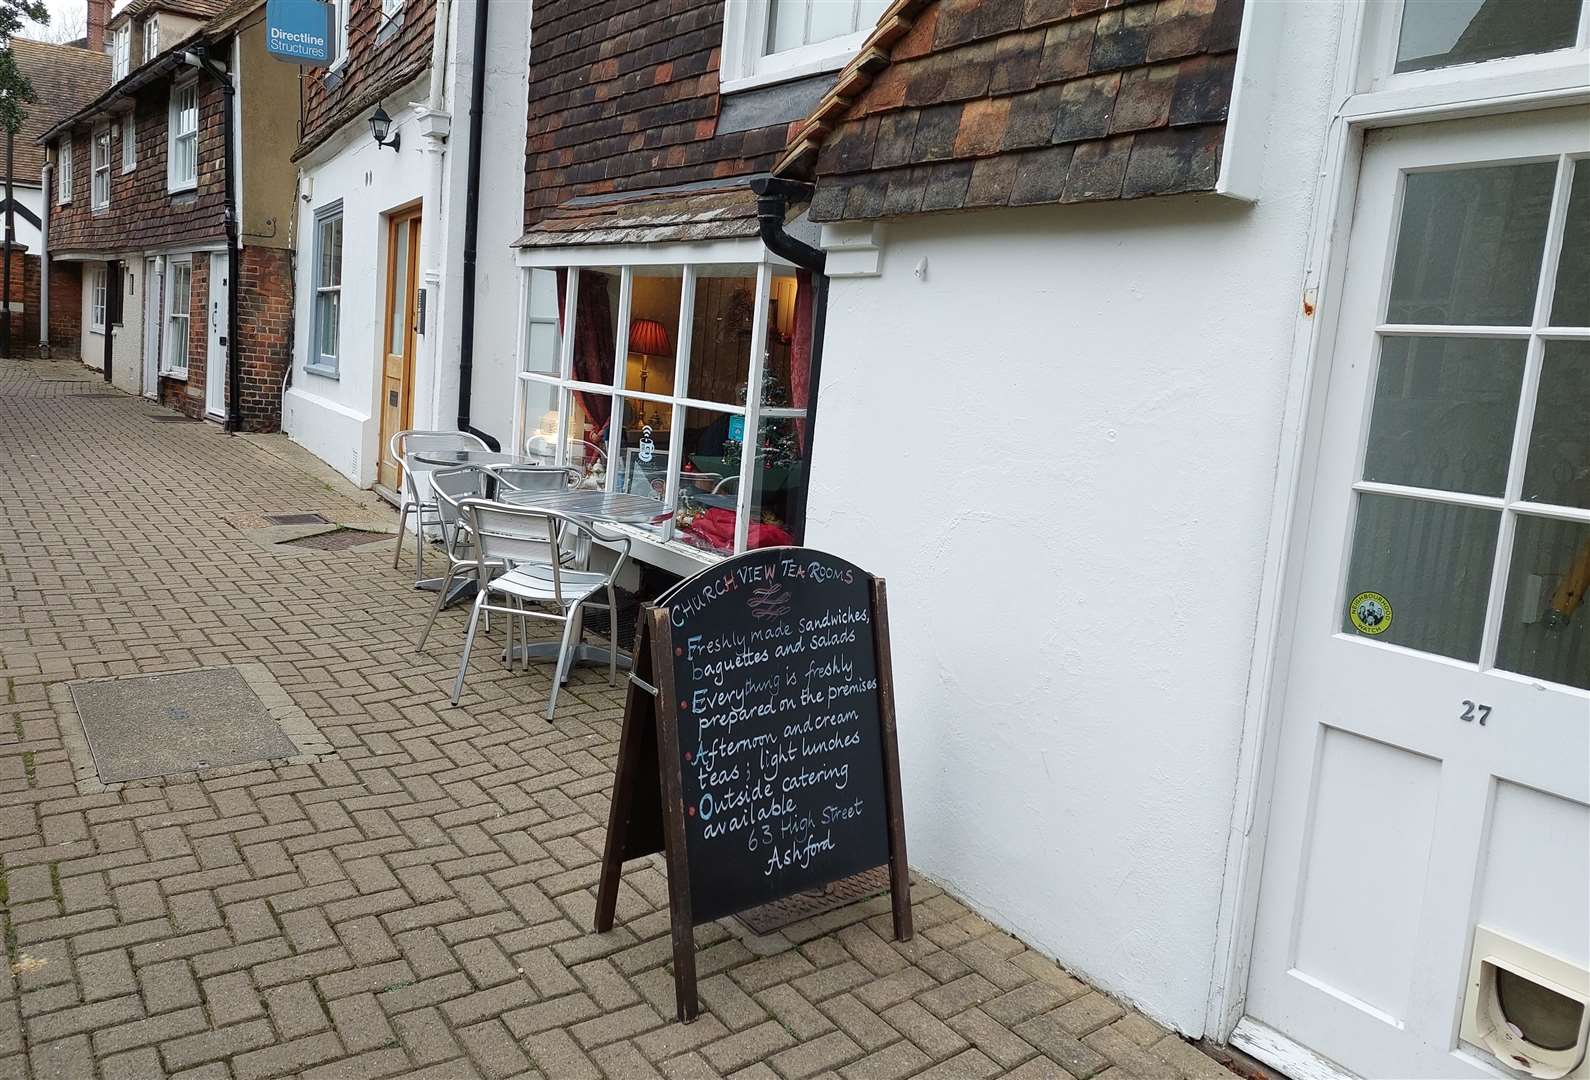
648,337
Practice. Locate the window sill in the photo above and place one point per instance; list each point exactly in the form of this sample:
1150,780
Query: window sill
186,188
834,55
175,376
324,372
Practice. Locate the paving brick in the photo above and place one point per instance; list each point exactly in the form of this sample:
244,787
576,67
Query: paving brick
149,1032
286,1057
493,1049
295,1010
555,1054
215,1045
168,986
754,1044
232,998
424,1033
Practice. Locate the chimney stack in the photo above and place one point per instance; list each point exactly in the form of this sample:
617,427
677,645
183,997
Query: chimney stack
98,16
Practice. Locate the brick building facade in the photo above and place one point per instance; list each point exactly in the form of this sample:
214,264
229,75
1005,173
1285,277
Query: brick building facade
146,200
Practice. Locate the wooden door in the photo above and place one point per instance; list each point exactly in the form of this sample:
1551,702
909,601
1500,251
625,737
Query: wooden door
397,354
1434,763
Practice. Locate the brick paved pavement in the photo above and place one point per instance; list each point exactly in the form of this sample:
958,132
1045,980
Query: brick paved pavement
420,902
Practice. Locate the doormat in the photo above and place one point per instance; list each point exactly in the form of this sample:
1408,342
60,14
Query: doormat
297,519
338,539
803,905
145,726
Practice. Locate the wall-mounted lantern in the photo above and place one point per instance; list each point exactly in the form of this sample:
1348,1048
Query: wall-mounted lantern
381,127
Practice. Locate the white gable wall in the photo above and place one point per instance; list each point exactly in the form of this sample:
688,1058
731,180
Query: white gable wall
1059,446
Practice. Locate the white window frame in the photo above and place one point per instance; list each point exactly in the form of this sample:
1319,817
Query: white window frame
691,258
174,266
129,142
391,9
175,135
320,363
63,169
99,164
746,64
343,15
98,299
151,37
121,52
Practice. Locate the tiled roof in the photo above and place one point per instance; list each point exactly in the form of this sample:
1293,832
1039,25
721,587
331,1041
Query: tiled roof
662,217
64,78
960,104
196,9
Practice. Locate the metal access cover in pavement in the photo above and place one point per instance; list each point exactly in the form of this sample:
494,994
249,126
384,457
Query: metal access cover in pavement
156,725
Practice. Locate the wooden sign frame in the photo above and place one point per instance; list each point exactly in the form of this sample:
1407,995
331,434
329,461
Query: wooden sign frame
647,812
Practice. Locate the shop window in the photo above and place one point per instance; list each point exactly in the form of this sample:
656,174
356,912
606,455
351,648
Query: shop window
647,380
771,40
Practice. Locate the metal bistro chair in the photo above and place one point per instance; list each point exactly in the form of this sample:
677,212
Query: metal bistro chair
536,477
424,510
532,542
452,487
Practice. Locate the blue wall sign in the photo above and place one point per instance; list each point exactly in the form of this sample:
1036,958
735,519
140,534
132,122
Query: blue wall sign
301,32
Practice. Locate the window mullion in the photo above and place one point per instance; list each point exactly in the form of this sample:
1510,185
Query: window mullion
676,435
1523,423
753,407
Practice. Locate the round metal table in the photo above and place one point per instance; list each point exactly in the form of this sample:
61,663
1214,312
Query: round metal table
594,506
443,459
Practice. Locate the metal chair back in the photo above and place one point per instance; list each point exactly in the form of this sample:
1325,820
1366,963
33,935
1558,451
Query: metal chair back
405,443
535,477
511,535
452,487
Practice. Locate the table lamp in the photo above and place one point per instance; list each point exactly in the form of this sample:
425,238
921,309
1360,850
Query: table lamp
649,338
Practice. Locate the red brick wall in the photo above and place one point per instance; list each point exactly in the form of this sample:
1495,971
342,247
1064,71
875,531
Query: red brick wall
265,332
25,293
142,213
66,305
332,99
624,95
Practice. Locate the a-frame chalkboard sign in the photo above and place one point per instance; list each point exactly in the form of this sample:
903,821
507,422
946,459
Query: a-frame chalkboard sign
758,750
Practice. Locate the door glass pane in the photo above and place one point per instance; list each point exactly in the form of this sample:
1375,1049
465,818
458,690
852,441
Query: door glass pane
776,478
1570,306
1543,620
1419,574
1558,469
586,438
653,329
709,479
1444,413
595,323
543,337
643,449
720,334
1469,245
397,301
1440,33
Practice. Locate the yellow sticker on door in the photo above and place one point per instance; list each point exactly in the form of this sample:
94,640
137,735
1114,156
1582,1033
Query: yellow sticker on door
1370,613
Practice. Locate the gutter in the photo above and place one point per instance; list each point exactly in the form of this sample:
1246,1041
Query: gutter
774,194
466,329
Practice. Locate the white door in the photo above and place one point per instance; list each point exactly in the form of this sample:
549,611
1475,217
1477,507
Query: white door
154,280
1433,765
215,352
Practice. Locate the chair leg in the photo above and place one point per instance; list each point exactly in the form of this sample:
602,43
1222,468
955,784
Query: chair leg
419,542
612,636
441,598
557,670
403,515
469,642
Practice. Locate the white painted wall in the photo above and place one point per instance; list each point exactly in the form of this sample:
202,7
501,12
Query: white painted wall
1059,447
501,211
127,346
336,418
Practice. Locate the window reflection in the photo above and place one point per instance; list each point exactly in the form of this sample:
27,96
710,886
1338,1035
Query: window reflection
709,479
1543,621
1441,33
720,333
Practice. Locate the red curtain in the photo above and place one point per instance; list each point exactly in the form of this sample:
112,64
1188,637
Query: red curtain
800,352
593,344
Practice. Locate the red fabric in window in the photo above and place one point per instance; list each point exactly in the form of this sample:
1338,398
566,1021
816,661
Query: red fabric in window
593,345
716,527
800,352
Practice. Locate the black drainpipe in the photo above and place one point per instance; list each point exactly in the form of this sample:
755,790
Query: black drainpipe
466,330
234,367
773,196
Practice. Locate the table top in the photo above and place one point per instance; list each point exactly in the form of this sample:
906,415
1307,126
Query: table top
594,505
466,457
